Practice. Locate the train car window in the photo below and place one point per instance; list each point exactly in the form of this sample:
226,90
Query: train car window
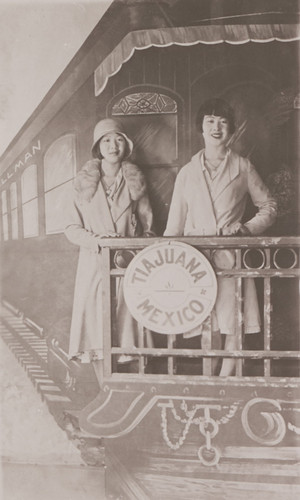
14,211
151,120
59,171
4,216
30,202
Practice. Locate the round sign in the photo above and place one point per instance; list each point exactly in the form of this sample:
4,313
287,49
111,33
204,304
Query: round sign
170,287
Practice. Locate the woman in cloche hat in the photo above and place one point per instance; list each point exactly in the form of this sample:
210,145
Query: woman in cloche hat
109,200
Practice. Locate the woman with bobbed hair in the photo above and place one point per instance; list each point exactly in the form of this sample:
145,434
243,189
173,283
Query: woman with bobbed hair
209,199
215,107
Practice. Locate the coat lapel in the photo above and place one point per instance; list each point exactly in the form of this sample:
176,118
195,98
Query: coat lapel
104,210
121,201
231,170
204,195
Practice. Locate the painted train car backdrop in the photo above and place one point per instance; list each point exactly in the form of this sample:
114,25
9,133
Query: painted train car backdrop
165,427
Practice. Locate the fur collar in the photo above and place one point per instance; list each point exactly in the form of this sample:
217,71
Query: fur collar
87,180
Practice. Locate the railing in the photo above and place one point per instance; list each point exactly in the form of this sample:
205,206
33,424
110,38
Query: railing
262,258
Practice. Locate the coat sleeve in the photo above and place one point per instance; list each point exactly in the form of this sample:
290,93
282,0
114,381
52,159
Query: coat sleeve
178,208
75,230
262,199
145,215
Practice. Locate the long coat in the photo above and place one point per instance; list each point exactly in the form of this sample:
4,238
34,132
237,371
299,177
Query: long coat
88,216
197,210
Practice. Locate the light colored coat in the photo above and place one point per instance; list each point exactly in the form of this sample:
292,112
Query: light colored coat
196,210
88,217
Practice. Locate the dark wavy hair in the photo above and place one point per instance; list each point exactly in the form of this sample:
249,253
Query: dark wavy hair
216,107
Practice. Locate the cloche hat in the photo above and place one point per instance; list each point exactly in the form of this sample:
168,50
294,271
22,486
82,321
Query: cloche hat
106,126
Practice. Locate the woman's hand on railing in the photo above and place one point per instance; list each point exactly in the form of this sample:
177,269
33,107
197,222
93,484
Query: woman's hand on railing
103,236
244,231
236,229
109,234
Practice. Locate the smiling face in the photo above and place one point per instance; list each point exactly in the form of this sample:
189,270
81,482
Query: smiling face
112,147
216,130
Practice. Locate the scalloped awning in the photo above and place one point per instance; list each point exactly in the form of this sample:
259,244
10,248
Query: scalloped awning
191,35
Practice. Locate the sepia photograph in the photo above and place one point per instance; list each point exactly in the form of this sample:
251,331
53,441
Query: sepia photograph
149,235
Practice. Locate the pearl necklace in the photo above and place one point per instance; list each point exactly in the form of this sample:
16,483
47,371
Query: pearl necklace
212,163
108,187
